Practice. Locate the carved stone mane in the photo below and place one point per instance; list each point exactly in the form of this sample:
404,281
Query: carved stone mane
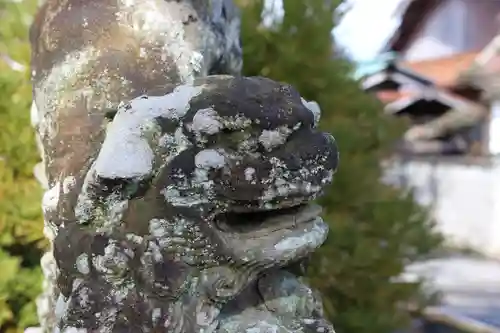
178,201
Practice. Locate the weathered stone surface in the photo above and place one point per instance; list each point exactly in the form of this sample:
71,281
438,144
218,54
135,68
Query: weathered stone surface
88,56
175,203
195,193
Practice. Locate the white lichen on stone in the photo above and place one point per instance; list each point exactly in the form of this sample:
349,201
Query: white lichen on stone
153,23
74,330
106,214
83,297
46,301
205,122
68,183
173,145
206,316
199,189
271,139
237,122
249,174
114,260
82,264
51,198
173,196
209,159
172,234
156,315
121,291
263,327
115,211
153,251
48,90
280,182
310,238
61,307
158,228
135,238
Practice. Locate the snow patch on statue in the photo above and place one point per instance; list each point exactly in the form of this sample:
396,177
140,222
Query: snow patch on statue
127,152
314,108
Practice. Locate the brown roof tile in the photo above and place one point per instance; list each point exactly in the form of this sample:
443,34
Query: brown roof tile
389,96
443,71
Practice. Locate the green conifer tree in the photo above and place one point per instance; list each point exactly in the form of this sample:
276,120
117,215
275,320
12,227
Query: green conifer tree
21,239
374,229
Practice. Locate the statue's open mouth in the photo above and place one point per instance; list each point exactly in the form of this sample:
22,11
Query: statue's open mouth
265,222
284,234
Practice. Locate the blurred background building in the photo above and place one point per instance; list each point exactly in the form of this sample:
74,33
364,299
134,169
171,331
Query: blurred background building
435,63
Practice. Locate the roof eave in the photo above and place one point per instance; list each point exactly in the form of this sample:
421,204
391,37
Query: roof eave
412,20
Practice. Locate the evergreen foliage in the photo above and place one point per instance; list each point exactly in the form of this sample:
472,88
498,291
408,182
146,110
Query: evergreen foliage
374,229
21,238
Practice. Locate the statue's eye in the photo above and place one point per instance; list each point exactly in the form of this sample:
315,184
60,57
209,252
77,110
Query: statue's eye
110,114
236,138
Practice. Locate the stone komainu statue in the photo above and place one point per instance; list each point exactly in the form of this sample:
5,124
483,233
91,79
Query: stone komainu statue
178,200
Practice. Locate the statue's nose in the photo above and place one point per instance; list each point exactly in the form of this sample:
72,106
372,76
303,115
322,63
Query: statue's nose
310,148
265,102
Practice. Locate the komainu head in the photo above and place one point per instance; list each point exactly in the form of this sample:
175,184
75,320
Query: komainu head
198,200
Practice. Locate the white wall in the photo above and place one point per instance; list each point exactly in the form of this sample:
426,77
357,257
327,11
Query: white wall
464,199
455,26
482,23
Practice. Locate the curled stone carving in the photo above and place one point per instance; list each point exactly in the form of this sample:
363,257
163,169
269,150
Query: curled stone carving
177,201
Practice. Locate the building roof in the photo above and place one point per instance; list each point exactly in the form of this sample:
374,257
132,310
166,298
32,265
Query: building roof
412,20
439,73
375,65
389,96
444,71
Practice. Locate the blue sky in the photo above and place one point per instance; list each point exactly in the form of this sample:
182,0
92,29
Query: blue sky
363,30
366,27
